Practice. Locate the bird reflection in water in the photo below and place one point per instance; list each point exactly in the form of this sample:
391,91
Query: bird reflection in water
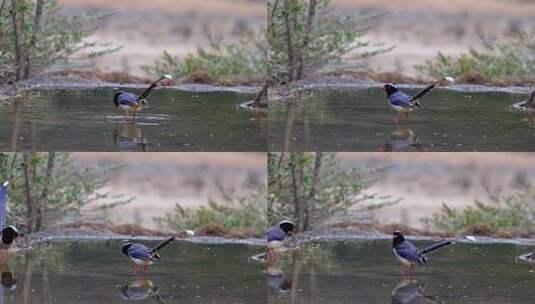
141,289
129,136
402,138
278,280
411,290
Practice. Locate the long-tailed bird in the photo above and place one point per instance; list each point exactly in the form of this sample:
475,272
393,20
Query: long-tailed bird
410,255
526,107
142,255
403,103
276,235
129,102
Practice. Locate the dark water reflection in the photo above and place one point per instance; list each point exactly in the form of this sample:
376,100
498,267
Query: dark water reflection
361,120
86,120
97,272
367,272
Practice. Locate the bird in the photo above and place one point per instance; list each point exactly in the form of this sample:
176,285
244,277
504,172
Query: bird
408,254
130,102
527,257
527,106
276,235
142,255
404,103
9,235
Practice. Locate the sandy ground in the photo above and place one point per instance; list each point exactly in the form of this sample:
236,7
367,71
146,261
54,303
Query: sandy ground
425,180
159,180
145,28
420,28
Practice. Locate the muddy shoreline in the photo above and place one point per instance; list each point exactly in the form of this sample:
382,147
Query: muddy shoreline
364,84
15,90
351,235
29,241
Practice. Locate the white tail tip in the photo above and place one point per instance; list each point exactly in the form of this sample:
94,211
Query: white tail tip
190,232
450,79
471,238
5,184
167,76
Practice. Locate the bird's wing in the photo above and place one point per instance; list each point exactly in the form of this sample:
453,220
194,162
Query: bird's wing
275,234
128,99
409,252
139,251
400,99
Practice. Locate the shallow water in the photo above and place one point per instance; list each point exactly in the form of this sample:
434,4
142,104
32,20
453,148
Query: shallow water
367,272
87,120
361,120
97,272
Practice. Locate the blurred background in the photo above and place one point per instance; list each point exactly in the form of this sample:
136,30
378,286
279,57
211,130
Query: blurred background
145,28
420,29
158,181
426,180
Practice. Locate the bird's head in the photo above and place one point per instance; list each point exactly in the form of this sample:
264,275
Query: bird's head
9,234
398,238
125,248
390,88
287,226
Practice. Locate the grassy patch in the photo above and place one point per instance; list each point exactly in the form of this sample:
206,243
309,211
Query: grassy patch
510,216
225,64
511,63
237,216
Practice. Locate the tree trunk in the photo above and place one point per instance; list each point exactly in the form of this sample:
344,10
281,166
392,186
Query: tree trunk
36,29
44,194
316,175
17,37
289,43
307,37
28,183
300,207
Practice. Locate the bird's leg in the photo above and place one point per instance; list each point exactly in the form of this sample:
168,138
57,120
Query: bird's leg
135,269
145,268
134,115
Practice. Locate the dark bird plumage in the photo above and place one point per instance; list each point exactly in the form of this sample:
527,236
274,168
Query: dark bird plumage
404,103
129,102
527,106
142,255
280,233
9,235
408,254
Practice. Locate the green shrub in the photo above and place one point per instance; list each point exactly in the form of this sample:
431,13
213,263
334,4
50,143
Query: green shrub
513,214
305,35
218,62
45,188
512,60
34,35
311,187
237,215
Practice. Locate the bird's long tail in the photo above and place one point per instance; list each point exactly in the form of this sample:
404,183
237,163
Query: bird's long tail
435,246
151,88
429,88
3,204
163,244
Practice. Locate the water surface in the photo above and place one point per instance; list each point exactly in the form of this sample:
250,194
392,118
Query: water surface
97,272
361,120
86,120
367,272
